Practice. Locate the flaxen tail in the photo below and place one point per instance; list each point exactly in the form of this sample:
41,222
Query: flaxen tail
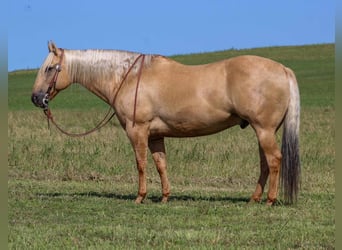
290,169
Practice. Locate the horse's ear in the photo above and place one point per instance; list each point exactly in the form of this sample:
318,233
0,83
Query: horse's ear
52,47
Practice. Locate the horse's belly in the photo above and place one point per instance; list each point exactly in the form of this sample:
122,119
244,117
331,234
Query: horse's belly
192,126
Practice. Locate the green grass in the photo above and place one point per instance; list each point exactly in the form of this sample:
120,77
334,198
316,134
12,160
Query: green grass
78,193
101,215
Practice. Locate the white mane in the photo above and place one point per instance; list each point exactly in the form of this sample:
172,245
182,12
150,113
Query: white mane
92,65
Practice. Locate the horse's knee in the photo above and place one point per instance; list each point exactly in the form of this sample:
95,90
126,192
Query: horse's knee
141,165
159,159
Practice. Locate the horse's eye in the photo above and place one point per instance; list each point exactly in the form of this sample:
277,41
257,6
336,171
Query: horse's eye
48,69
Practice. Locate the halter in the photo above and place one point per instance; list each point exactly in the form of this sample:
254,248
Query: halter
107,117
52,84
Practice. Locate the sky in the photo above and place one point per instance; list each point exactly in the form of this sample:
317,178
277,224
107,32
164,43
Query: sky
163,27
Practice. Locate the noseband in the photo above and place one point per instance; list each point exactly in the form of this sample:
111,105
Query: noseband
52,84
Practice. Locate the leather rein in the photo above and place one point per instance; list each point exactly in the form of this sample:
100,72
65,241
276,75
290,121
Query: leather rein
108,116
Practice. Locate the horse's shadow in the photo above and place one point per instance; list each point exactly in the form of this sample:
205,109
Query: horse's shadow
152,198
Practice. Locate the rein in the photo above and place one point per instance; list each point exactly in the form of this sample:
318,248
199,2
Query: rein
107,117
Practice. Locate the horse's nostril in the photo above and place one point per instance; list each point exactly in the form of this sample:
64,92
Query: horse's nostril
34,99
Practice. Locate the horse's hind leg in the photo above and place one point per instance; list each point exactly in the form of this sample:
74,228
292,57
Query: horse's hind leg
264,172
271,152
157,148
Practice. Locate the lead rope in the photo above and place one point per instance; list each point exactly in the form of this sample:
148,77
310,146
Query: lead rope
104,121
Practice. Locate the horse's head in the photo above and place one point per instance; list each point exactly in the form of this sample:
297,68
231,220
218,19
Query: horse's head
51,78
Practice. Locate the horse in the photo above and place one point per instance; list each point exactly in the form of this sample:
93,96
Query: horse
156,97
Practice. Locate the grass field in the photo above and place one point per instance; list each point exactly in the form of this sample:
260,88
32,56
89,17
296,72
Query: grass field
78,193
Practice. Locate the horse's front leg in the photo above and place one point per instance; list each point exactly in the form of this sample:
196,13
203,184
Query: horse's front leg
157,148
138,136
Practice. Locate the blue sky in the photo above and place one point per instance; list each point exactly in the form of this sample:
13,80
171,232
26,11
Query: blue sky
163,27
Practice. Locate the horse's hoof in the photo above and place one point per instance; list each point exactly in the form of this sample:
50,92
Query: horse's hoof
253,201
164,199
270,202
139,200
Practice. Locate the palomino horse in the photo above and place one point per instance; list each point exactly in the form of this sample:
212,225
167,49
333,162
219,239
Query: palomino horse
155,97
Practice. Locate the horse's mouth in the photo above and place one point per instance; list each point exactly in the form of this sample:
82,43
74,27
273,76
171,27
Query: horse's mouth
40,100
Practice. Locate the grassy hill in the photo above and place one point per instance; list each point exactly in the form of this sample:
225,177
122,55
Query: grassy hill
78,193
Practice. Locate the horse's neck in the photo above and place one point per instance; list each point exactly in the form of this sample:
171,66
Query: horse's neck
100,71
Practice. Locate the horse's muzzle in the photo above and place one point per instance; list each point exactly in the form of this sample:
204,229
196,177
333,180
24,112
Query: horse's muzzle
40,99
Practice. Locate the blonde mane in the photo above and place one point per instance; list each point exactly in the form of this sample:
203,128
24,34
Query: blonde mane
94,65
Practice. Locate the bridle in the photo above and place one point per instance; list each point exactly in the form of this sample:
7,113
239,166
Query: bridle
108,116
52,84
